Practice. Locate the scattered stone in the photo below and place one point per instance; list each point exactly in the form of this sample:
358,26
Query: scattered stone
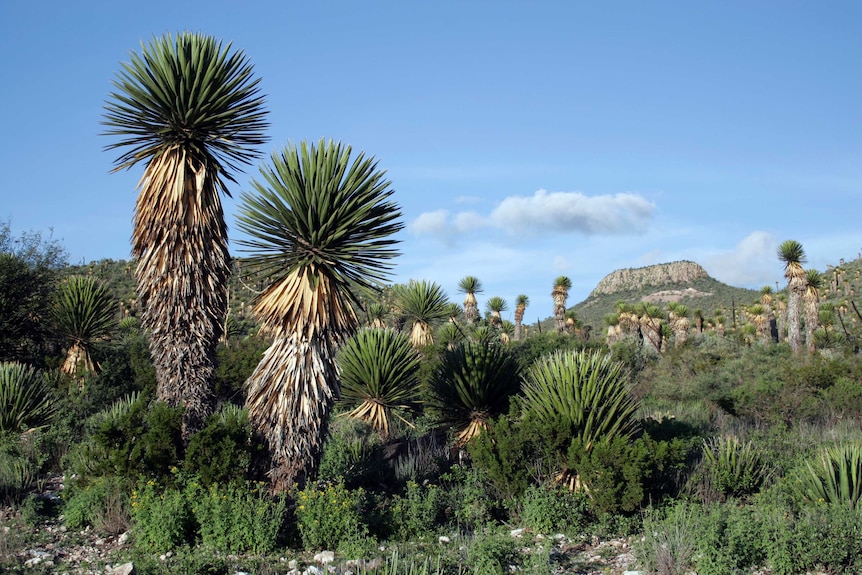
313,570
325,557
122,539
517,532
292,564
444,539
241,573
124,569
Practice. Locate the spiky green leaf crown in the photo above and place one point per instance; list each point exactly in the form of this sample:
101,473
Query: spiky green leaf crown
563,282
191,91
319,210
421,300
496,304
470,284
84,309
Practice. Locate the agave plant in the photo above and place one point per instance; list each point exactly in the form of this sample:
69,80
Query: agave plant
835,477
320,228
473,384
423,303
588,392
190,108
83,313
380,372
25,400
733,468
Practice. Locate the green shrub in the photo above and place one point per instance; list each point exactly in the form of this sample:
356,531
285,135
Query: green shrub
132,438
729,540
552,509
468,497
518,453
237,518
331,516
162,517
416,513
621,476
491,553
669,540
19,467
352,454
223,450
103,504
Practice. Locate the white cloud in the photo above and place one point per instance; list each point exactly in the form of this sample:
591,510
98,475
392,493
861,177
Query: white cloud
546,213
568,212
561,264
751,263
468,221
430,222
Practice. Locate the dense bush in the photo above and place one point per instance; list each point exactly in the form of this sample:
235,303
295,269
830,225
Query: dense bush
222,452
330,516
554,509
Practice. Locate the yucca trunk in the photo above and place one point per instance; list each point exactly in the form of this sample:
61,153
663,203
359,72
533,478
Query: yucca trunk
519,318
680,331
560,309
180,242
290,395
78,358
796,289
812,318
420,335
471,308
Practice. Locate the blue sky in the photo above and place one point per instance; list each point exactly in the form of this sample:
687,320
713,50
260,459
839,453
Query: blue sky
525,140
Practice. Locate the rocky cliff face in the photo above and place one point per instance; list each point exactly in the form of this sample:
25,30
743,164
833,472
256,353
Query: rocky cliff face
637,278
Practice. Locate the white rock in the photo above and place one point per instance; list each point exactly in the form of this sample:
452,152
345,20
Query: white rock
292,564
517,532
325,557
312,570
633,573
444,539
121,540
241,573
124,569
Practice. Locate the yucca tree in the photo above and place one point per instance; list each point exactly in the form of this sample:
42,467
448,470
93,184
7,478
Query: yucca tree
521,303
560,293
84,312
470,286
651,318
495,306
25,399
380,373
473,384
811,304
507,331
423,304
449,335
376,313
573,322
587,392
190,108
320,226
454,312
680,325
791,253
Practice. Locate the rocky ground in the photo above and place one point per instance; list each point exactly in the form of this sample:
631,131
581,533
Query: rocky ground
48,547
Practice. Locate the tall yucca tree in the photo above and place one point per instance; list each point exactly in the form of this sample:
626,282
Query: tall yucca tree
767,299
521,303
424,304
189,107
470,286
320,226
811,303
791,253
496,306
84,313
560,293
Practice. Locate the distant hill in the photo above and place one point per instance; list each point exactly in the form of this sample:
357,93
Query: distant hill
683,281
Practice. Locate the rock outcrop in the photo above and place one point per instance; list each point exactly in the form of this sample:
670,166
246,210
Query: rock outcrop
631,279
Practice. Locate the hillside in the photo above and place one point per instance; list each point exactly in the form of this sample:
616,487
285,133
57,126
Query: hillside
685,282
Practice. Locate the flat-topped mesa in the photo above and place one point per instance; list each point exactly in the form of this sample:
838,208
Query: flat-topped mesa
632,279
